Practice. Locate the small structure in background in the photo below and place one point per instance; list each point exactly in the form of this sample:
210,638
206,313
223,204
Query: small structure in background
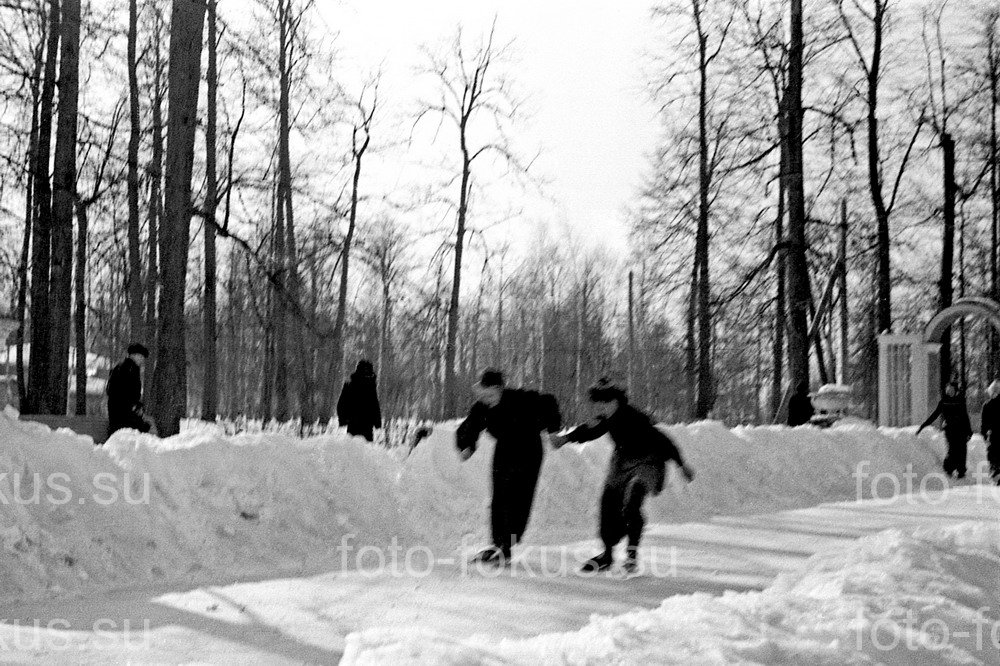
832,403
909,366
7,327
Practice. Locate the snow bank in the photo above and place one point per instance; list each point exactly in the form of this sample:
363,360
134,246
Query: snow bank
928,597
202,506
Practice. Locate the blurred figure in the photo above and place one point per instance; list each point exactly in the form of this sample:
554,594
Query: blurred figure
800,407
124,390
957,429
515,418
358,407
991,429
637,469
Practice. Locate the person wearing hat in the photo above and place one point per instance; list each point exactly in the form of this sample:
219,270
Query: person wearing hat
637,468
800,407
124,390
515,418
358,407
957,429
990,428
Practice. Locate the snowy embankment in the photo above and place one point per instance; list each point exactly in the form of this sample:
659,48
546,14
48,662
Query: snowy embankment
894,598
202,506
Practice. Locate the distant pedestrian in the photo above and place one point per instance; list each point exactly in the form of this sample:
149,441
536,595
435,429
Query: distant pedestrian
124,390
957,429
800,407
515,418
637,469
991,429
358,407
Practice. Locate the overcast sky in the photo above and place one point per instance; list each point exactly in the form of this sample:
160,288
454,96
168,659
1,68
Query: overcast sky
579,65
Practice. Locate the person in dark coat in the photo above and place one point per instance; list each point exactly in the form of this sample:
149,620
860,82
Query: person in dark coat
990,429
515,418
957,429
124,390
800,407
637,468
358,407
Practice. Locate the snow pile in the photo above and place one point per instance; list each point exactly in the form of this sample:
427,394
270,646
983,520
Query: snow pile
928,597
194,507
203,506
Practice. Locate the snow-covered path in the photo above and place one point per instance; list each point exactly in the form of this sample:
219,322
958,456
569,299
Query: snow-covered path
309,619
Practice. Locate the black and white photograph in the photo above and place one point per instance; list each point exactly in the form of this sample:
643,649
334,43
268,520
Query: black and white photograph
500,332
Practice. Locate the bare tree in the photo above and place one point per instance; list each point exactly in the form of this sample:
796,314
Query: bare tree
473,99
361,134
64,192
170,380
38,370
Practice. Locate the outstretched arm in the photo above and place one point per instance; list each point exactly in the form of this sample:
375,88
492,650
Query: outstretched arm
468,432
930,419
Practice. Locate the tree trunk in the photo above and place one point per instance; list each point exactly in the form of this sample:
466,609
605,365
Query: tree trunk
993,64
780,318
845,340
705,399
210,387
450,380
155,210
798,275
170,382
63,195
80,315
134,262
31,163
947,248
38,364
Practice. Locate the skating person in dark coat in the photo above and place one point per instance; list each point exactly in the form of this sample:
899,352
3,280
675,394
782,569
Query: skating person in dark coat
515,418
358,407
957,429
800,408
991,429
124,389
637,468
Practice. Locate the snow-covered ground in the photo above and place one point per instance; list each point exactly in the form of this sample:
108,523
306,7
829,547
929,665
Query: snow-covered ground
260,547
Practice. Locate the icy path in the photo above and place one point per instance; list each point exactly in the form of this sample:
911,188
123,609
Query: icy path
307,619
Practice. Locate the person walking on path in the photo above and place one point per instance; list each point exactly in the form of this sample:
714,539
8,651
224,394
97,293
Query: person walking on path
637,469
515,418
957,429
358,407
124,391
990,428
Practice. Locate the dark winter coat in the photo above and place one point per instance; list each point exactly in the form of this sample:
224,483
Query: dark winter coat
638,442
800,409
358,407
991,420
516,423
124,391
955,415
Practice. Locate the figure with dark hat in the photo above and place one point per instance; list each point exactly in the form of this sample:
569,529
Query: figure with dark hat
637,469
990,427
358,407
800,407
124,390
515,418
957,428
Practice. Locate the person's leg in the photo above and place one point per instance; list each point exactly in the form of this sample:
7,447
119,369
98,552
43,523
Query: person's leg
959,455
612,527
500,508
635,494
522,500
993,455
